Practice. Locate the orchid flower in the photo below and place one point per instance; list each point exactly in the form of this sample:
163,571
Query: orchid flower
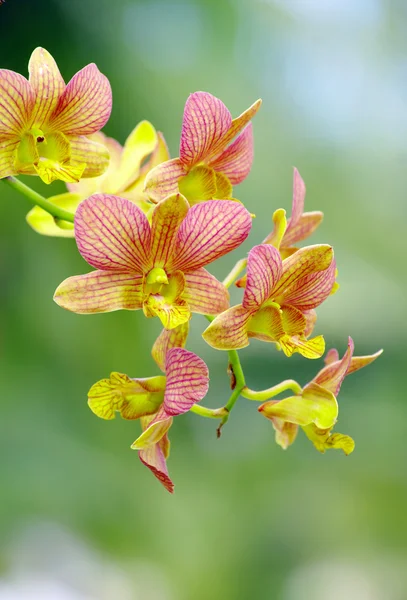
154,400
278,301
125,177
44,123
157,267
209,161
315,409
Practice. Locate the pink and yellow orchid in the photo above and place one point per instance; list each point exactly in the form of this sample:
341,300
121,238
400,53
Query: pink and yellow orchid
157,267
210,162
44,123
125,176
315,409
154,401
278,301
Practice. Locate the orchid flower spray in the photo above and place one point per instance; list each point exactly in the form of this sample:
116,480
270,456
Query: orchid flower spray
150,226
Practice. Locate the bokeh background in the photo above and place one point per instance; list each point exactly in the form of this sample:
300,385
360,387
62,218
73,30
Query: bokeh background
80,517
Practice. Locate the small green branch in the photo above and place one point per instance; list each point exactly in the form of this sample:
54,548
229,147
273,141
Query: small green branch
210,413
235,272
38,200
261,396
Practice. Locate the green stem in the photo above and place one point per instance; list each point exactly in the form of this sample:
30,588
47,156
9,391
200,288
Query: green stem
211,413
261,396
39,200
235,272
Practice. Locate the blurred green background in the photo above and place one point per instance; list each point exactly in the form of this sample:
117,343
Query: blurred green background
80,517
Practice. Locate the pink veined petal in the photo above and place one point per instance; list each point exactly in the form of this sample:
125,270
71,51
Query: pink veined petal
206,121
93,154
331,376
236,161
331,356
264,267
204,293
298,200
310,291
162,181
169,338
187,381
100,291
153,458
8,149
303,228
16,103
112,233
47,83
167,217
85,105
210,230
229,331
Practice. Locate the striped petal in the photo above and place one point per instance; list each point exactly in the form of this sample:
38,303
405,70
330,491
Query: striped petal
167,217
45,224
310,291
206,121
267,324
204,294
8,153
16,104
112,233
47,84
94,155
100,291
305,226
85,105
154,457
162,181
199,184
169,305
323,440
169,338
298,199
229,331
153,430
311,349
187,381
358,362
264,268
236,161
286,432
210,230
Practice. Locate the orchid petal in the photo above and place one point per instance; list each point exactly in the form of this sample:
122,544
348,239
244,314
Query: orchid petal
187,381
93,154
236,161
100,291
8,152
50,170
358,362
133,398
162,181
47,84
298,199
323,440
206,121
166,219
331,356
112,233
309,292
267,324
341,442
169,305
44,223
305,226
264,268
153,457
293,320
204,294
16,103
310,320
229,330
169,338
332,375
155,431
210,230
223,187
312,349
85,105
286,433
199,184
280,226
140,143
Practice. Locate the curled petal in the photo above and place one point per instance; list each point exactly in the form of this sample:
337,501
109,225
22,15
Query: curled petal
153,457
312,349
155,431
210,230
169,338
112,233
223,187
199,184
305,226
8,152
358,362
264,267
236,161
166,219
310,291
47,84
94,155
162,181
280,226
332,375
85,105
187,381
323,440
44,223
229,331
100,291
206,121
16,103
204,293
169,306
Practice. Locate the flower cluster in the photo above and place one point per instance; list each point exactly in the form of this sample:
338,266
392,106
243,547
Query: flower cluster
149,225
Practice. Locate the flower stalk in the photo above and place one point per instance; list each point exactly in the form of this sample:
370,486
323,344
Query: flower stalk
262,395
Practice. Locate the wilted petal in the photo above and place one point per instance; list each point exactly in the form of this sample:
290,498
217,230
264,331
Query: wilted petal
91,153
210,230
264,267
199,184
236,161
162,181
305,226
166,219
44,223
100,291
229,330
331,376
204,293
206,121
8,151
16,103
133,398
309,292
187,381
169,338
47,84
85,105
112,233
